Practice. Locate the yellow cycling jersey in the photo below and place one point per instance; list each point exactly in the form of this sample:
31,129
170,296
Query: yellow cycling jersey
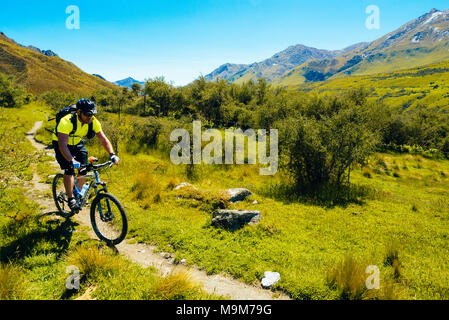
65,126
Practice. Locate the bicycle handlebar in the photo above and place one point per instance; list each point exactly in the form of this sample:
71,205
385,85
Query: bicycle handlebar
93,167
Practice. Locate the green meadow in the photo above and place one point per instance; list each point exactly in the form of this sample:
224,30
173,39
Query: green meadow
425,86
36,249
394,217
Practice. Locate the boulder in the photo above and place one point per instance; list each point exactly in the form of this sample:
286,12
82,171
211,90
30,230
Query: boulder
270,279
235,219
238,194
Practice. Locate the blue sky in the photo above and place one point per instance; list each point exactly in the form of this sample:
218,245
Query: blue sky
181,40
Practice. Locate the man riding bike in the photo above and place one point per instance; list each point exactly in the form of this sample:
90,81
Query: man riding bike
69,145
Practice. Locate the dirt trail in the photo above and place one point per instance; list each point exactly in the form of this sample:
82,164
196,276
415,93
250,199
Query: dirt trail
143,254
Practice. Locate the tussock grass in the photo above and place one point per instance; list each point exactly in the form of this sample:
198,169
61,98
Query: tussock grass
93,261
13,283
147,189
348,278
177,285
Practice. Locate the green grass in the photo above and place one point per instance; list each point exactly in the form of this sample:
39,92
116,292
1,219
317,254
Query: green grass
300,239
36,249
396,219
420,86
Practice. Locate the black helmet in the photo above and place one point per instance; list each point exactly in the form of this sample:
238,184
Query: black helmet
87,107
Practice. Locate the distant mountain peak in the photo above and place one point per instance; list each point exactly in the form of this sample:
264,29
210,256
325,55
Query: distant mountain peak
47,53
128,82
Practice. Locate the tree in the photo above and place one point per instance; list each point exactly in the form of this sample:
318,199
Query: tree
159,95
329,134
136,89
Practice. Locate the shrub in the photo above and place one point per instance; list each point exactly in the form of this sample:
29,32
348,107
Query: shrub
143,135
325,139
10,95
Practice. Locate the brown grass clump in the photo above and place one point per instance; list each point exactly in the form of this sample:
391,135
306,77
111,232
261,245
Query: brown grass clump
367,172
147,189
349,278
93,261
175,286
13,285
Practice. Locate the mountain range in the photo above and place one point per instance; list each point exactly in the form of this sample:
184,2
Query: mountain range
422,41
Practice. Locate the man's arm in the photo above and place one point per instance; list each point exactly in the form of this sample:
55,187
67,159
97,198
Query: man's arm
105,142
63,140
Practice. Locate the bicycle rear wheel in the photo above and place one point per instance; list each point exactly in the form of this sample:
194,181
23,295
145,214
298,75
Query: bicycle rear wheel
109,219
60,197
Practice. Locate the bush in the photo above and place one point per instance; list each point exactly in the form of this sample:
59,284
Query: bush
10,95
143,135
58,100
325,139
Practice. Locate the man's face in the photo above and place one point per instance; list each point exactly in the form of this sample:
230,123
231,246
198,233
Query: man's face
85,119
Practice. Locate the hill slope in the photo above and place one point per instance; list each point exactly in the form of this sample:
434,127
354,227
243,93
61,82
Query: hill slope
423,86
39,73
422,41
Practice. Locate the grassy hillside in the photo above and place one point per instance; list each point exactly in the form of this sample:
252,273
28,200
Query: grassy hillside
401,58
39,73
423,86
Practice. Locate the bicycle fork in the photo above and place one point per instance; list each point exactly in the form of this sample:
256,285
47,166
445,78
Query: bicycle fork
109,216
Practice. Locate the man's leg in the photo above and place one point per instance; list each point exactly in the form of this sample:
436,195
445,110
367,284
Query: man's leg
68,184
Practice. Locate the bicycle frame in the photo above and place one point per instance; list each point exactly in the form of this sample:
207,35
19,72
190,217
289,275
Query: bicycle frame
94,182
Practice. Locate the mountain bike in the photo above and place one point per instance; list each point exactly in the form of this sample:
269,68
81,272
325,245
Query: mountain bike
107,215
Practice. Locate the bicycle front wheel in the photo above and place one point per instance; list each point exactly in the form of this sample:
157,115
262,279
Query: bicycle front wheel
108,219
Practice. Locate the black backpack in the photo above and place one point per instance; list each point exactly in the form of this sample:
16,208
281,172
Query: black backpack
72,110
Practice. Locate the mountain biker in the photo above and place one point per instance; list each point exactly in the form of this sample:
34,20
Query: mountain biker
70,149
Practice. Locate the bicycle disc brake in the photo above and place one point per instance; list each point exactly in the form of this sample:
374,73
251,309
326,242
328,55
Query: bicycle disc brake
108,217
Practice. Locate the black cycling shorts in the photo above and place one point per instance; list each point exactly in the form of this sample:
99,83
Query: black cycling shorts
79,152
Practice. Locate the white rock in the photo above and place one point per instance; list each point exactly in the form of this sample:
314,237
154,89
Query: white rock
271,278
185,184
